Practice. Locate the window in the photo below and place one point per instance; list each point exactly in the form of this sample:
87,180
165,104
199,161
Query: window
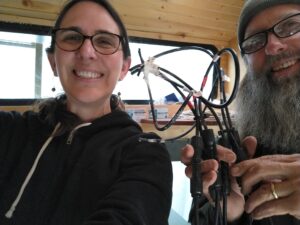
25,72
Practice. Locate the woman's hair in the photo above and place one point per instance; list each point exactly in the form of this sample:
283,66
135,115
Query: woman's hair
108,7
54,110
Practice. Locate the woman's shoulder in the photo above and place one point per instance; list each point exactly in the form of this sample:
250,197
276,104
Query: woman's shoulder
16,115
9,117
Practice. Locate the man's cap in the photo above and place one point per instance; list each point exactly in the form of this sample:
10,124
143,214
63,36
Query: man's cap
251,8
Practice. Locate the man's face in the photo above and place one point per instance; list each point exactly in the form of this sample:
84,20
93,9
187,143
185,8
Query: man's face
279,59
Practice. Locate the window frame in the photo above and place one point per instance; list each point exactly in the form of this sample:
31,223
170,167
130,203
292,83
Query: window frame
46,30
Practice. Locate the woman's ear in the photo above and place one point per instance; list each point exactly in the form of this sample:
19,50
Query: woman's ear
52,63
125,68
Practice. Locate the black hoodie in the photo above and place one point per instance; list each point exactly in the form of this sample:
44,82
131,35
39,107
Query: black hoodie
99,173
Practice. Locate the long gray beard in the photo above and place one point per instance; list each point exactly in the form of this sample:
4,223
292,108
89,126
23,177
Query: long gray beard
269,110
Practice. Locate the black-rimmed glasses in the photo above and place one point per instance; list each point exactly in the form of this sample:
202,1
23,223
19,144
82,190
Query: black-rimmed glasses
71,40
284,28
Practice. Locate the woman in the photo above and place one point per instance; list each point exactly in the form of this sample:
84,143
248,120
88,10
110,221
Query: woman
78,160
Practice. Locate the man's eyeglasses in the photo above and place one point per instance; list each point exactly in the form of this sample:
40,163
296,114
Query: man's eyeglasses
71,40
284,28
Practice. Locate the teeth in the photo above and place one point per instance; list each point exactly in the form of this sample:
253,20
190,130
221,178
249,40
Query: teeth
87,74
285,65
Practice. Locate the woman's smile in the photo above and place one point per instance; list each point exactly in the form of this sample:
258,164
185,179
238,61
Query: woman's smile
88,74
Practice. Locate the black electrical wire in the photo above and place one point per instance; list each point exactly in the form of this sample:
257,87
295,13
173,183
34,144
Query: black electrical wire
200,141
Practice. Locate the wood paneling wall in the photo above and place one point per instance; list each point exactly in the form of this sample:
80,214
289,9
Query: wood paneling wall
196,21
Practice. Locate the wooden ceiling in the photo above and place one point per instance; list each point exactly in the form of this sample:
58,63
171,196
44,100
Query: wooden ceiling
196,21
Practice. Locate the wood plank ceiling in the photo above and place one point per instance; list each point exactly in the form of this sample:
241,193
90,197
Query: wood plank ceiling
197,21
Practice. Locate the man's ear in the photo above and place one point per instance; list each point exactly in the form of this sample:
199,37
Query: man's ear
125,68
52,62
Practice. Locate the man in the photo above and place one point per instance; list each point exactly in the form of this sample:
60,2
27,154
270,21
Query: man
269,109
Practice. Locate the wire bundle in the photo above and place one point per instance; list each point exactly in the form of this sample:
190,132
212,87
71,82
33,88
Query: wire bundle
203,141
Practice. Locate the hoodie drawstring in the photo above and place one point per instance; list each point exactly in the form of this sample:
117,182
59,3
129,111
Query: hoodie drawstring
71,135
10,212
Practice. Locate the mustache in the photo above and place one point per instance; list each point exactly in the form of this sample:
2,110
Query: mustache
271,59
266,70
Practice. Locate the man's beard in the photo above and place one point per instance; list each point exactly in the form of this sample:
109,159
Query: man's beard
270,110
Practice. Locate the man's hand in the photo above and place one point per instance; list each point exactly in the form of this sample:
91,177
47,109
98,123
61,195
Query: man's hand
209,170
283,172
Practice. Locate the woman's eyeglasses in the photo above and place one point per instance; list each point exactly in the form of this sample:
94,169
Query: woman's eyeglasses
284,28
71,40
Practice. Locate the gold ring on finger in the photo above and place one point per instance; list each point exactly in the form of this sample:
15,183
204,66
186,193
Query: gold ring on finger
273,190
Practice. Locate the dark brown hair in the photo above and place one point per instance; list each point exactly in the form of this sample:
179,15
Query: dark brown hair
106,5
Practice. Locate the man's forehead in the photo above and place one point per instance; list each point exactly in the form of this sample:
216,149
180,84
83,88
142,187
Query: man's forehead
270,16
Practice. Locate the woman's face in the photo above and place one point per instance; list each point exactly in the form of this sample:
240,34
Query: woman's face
88,77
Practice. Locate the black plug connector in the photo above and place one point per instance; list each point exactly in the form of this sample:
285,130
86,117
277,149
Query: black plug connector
211,153
196,180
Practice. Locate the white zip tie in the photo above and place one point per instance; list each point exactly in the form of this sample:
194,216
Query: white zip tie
225,78
150,67
216,58
186,89
197,94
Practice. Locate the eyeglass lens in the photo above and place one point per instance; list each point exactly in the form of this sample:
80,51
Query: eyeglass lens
285,28
71,40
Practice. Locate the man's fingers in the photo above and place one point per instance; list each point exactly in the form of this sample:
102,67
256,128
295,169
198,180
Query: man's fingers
261,170
225,154
273,191
277,207
263,194
205,167
187,153
282,158
250,143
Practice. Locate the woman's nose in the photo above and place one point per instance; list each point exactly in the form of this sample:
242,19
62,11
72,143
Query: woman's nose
87,49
